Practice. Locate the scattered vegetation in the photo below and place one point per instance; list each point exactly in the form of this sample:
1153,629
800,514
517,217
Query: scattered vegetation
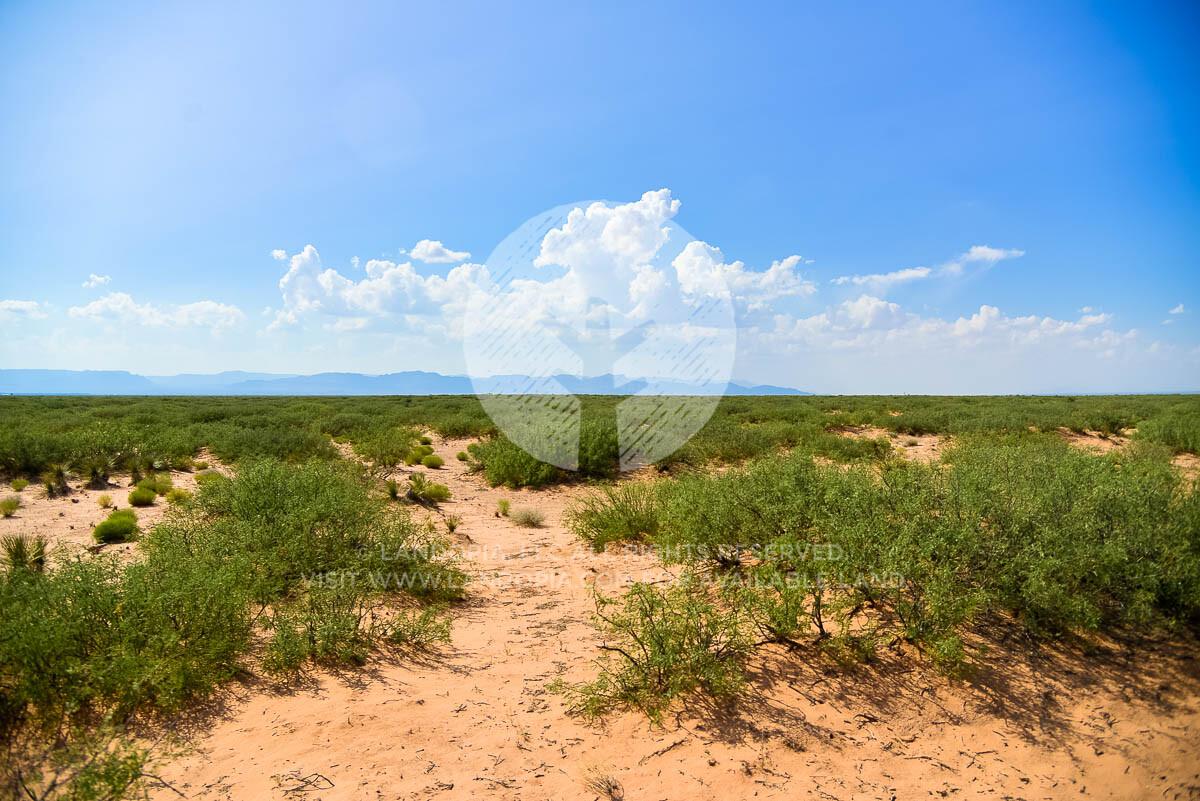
105,501
19,484
844,557
303,557
503,507
452,523
433,461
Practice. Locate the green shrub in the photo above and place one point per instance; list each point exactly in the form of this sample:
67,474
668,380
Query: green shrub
423,491
463,456
433,461
452,523
527,518
9,506
19,484
393,489
661,644
627,512
424,440
504,463
142,496
503,506
104,501
120,526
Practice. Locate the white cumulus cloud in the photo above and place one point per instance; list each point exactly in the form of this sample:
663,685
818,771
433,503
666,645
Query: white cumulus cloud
1176,310
21,309
121,307
94,281
432,251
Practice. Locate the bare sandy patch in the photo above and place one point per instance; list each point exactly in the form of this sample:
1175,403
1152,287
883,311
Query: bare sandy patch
67,521
915,447
1094,441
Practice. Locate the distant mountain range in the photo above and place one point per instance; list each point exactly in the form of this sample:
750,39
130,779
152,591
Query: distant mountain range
117,382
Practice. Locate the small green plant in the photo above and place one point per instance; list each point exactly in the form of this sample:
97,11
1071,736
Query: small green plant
10,505
424,440
19,484
624,513
423,491
24,552
503,506
104,501
433,461
120,526
452,523
393,489
177,496
463,456
142,496
527,518
200,464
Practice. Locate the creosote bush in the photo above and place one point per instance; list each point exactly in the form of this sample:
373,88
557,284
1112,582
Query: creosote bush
433,461
842,558
660,644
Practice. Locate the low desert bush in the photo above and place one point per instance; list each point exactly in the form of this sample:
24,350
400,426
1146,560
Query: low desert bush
463,456
9,506
527,518
425,440
661,644
627,512
142,496
393,489
120,526
506,464
433,461
19,484
423,491
503,507
452,523
104,501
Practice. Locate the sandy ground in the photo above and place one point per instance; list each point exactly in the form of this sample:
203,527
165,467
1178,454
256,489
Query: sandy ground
475,718
917,447
67,521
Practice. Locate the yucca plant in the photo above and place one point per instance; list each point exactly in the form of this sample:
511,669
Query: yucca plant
24,552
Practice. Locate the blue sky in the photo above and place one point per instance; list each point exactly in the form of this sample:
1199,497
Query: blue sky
172,149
